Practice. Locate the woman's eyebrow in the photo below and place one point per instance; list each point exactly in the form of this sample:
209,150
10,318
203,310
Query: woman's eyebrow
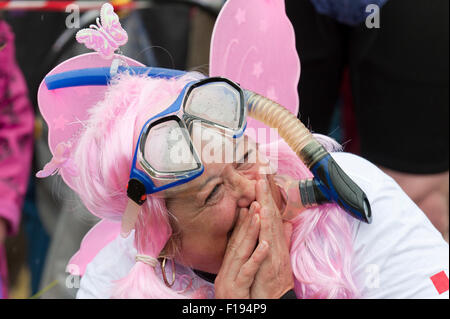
209,179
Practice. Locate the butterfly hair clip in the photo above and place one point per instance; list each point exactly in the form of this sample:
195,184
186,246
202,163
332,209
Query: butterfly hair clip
105,37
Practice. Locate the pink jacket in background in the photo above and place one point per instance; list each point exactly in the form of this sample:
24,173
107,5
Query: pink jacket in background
16,139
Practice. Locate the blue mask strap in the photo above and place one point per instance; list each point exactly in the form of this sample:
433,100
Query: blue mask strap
102,76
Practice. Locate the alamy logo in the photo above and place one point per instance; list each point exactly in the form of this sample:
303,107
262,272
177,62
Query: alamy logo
373,19
73,280
73,19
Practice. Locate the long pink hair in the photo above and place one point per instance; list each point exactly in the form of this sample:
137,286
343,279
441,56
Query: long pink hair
321,248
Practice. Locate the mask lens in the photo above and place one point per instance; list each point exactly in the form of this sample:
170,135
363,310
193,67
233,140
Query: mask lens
168,150
217,102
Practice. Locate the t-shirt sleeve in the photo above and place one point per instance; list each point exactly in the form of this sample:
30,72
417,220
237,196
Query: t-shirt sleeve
112,263
400,255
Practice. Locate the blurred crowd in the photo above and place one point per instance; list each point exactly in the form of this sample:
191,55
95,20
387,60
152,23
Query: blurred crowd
376,81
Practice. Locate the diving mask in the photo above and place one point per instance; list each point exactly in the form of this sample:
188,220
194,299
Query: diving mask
165,151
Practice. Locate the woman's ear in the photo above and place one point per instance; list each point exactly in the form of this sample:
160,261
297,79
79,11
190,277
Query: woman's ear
173,246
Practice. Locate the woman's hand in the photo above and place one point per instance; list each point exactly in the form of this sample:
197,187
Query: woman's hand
241,261
274,278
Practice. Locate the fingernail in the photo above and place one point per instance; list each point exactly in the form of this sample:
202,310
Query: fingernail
264,244
253,207
255,220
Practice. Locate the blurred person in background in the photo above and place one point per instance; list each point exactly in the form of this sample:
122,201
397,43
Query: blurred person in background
394,62
42,203
16,145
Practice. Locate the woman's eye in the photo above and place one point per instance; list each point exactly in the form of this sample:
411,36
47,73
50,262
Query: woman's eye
213,193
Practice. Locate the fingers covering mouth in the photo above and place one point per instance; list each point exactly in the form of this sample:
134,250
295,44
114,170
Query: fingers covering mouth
235,219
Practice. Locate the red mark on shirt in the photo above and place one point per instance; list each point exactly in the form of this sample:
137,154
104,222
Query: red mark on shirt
440,282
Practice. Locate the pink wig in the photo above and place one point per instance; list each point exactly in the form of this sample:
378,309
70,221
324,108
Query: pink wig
321,248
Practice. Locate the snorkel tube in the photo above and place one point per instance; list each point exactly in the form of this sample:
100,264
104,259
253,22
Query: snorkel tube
330,182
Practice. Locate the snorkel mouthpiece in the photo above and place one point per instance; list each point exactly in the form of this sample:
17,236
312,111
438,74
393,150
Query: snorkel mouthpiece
330,181
335,184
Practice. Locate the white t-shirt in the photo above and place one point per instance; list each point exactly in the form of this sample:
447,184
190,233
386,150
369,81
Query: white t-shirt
399,255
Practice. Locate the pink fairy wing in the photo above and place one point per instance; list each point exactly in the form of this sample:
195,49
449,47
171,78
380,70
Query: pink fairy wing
98,237
66,109
253,44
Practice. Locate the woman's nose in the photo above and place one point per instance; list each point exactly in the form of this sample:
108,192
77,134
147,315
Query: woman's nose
244,187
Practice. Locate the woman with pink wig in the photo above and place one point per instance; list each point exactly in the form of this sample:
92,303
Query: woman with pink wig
231,231
211,225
